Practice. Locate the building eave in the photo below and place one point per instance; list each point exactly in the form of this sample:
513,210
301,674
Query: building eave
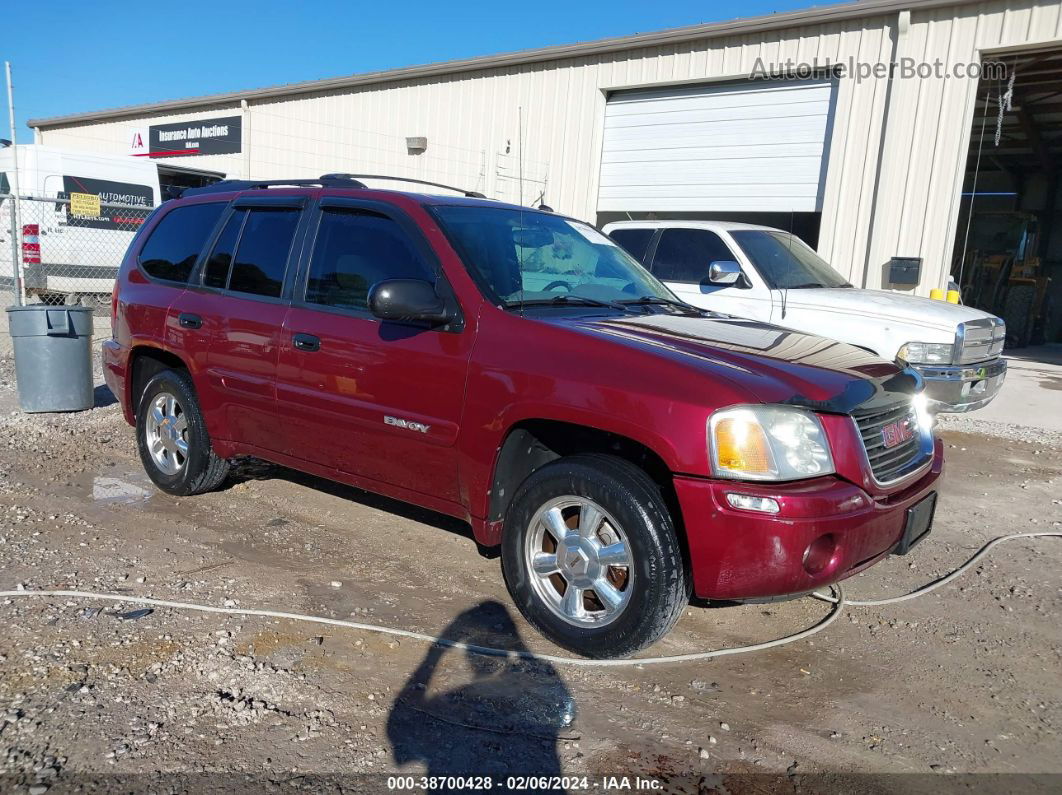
817,15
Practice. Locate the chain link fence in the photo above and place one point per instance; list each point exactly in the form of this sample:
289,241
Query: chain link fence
63,250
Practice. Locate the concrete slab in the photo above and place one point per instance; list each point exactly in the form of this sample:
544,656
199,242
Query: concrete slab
1032,394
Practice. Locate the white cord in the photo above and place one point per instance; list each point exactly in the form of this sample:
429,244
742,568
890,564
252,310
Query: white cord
941,581
838,602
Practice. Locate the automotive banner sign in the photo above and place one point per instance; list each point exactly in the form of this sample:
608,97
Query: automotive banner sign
218,136
89,200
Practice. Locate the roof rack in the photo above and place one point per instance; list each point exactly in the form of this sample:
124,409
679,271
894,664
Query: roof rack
233,185
324,181
472,194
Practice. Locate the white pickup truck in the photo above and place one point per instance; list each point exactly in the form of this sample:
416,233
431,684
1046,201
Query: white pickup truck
769,275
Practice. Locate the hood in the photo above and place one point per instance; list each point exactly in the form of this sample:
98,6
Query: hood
885,304
773,364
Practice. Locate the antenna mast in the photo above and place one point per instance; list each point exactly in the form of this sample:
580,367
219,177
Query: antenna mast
520,159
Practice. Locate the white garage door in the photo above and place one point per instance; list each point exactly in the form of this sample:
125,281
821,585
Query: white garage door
757,147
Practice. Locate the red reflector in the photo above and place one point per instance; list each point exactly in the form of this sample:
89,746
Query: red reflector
31,253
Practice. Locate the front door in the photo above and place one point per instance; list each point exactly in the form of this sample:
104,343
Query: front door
373,399
683,257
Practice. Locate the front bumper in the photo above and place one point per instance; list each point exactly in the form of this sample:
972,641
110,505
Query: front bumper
958,388
740,554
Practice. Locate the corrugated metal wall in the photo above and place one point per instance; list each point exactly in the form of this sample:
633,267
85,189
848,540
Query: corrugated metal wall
471,121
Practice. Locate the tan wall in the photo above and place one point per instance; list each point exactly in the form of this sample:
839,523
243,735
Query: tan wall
471,119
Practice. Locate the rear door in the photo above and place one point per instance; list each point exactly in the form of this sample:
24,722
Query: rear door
151,294
238,307
682,260
373,399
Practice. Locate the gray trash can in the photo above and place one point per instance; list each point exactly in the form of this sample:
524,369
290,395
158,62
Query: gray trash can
53,356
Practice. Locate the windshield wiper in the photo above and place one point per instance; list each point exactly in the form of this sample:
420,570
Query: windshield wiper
805,286
575,300
655,299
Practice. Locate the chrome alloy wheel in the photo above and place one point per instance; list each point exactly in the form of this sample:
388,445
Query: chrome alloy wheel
579,561
167,433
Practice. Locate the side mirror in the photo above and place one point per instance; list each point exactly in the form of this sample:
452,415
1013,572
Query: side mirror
408,301
724,271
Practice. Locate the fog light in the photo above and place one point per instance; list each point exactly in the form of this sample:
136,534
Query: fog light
748,502
819,554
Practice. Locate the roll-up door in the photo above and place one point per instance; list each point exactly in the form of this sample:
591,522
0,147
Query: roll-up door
760,146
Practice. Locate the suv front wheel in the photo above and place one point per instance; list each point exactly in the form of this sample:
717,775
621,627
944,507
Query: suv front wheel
591,557
172,437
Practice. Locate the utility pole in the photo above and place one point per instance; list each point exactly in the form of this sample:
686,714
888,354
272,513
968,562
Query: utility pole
16,221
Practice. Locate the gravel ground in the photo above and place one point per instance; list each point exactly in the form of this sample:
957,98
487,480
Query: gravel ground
970,423
960,688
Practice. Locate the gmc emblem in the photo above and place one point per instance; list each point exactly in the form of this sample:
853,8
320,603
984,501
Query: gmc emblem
896,433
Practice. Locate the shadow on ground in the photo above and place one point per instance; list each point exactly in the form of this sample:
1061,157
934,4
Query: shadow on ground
102,396
465,714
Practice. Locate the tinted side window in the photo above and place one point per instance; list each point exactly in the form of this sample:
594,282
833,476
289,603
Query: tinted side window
636,241
354,251
216,273
683,255
262,256
174,246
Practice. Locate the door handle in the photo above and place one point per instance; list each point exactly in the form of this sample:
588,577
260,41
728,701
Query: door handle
306,342
188,320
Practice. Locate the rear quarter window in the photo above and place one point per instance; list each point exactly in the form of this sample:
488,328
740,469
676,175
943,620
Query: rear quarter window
172,248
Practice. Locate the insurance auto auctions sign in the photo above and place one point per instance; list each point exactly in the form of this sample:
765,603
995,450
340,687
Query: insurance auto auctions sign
220,136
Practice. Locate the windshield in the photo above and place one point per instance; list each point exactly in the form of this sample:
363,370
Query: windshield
522,257
785,261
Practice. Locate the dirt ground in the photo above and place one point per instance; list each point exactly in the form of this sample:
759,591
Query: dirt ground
910,697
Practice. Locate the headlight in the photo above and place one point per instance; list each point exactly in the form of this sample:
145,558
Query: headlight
767,443
923,415
926,352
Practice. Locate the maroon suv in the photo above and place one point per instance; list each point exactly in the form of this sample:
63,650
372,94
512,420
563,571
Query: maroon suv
516,369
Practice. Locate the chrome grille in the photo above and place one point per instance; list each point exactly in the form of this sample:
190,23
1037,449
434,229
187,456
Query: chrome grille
891,463
979,340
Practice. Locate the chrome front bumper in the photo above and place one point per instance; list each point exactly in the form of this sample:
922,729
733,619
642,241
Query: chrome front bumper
966,387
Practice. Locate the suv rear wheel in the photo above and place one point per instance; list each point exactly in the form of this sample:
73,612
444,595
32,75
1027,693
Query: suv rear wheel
172,437
591,557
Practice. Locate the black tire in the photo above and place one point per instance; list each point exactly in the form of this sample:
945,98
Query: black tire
1017,314
660,585
201,470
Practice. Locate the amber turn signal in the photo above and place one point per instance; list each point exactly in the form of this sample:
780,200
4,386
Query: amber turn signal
741,446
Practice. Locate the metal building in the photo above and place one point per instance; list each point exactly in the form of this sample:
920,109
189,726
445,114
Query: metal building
792,119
